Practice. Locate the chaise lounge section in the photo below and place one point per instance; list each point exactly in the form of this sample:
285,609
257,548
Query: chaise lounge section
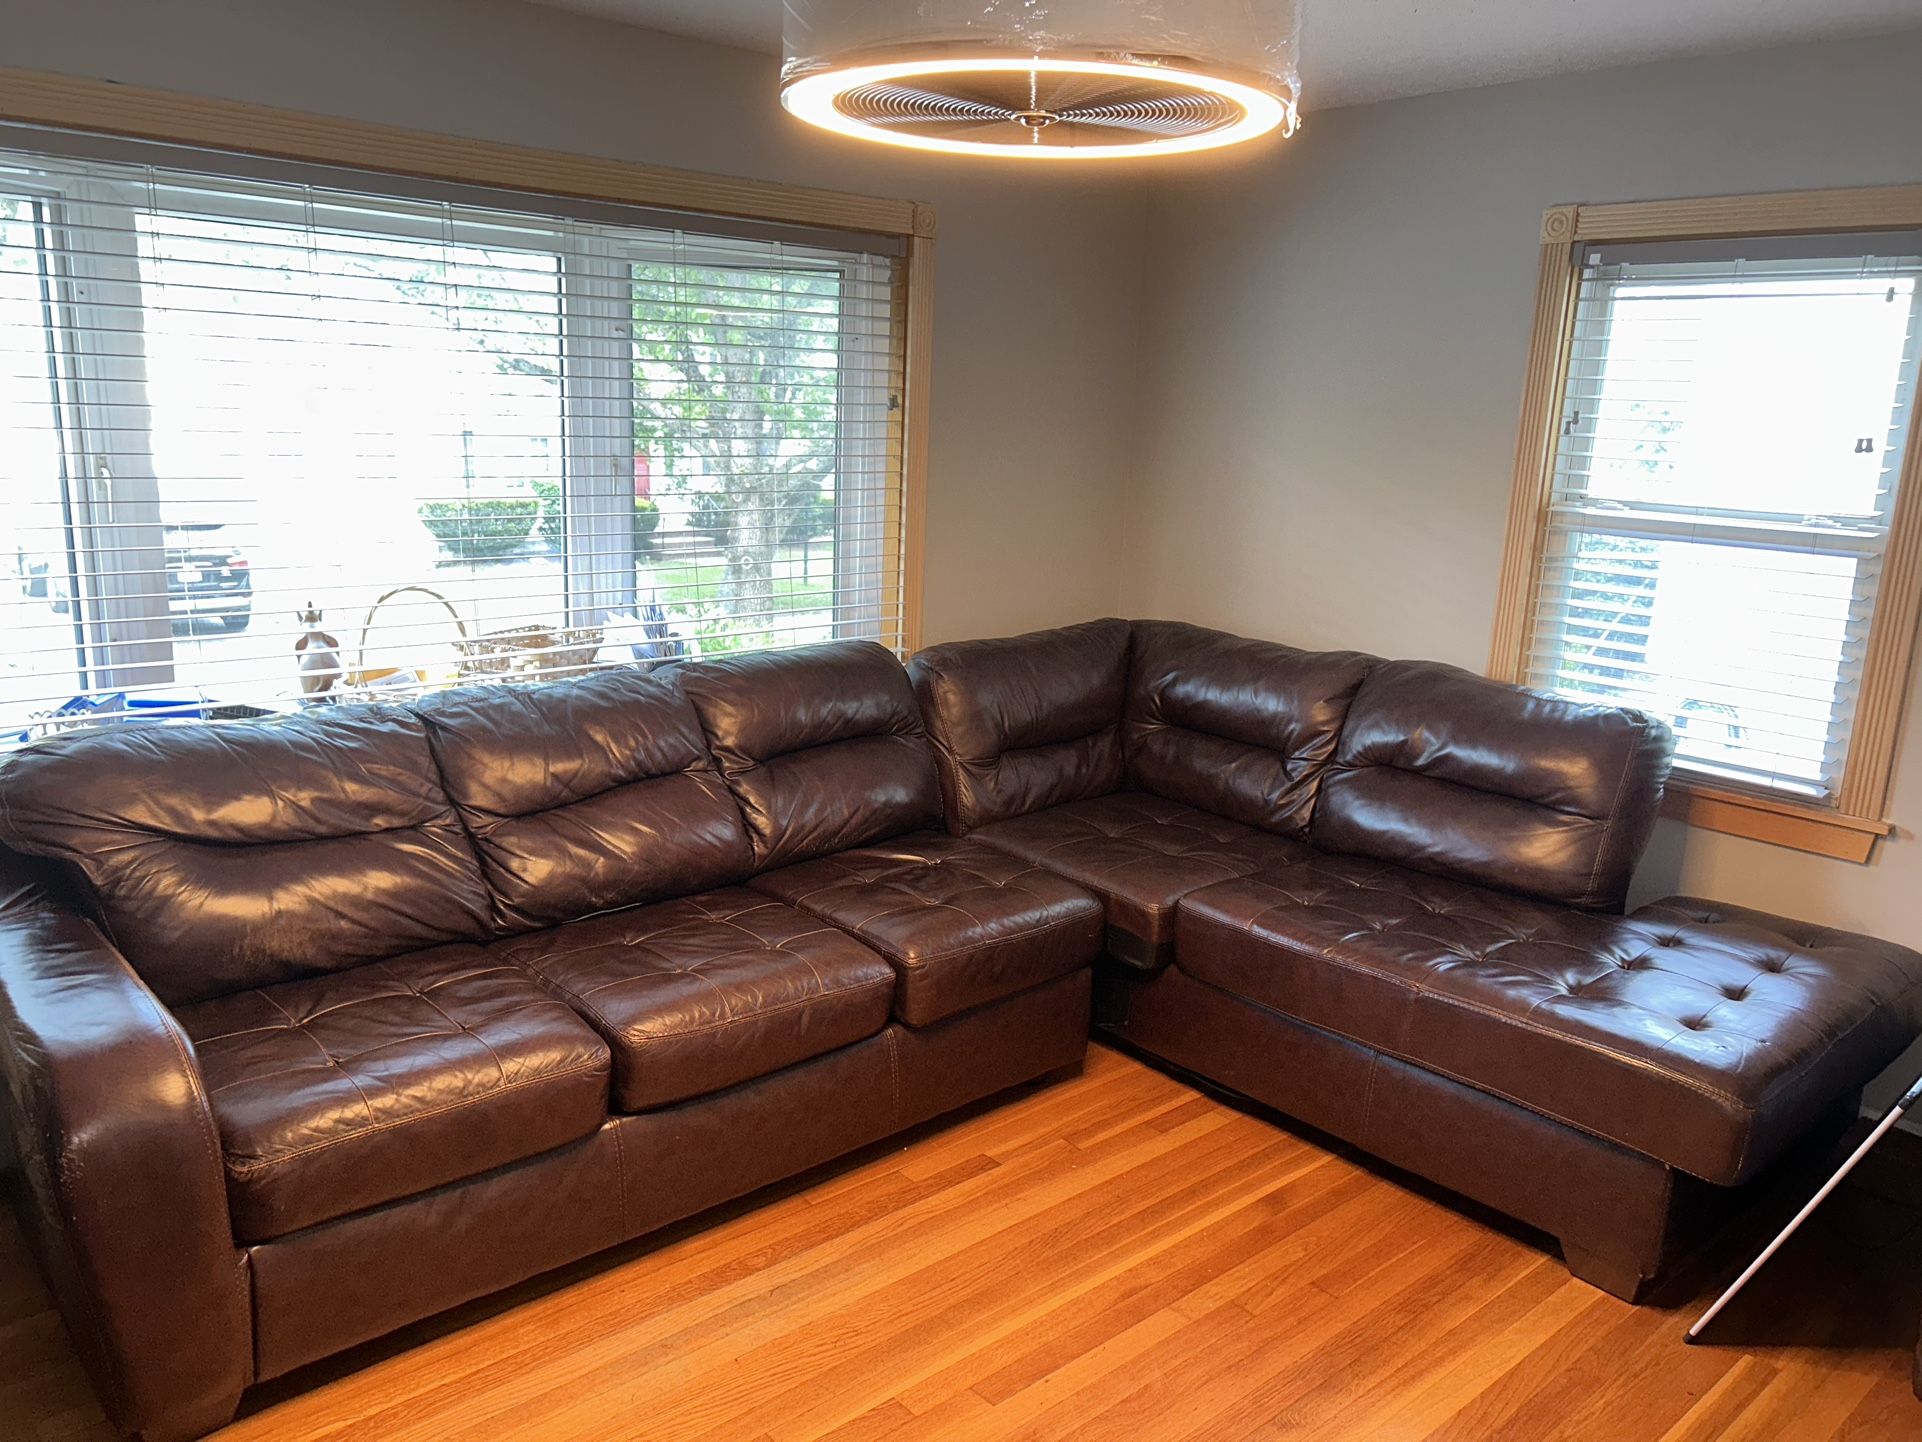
1384,897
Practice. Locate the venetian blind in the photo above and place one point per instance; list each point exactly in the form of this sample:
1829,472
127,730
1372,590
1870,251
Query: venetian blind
270,442
1731,437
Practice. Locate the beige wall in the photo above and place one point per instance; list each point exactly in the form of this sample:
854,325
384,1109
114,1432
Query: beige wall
1035,282
1333,354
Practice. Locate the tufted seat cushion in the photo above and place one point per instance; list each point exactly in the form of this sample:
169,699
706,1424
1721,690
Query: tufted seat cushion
962,923
1140,854
706,992
343,1091
1697,1034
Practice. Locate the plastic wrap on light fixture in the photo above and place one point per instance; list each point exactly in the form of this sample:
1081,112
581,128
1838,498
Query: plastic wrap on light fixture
1047,79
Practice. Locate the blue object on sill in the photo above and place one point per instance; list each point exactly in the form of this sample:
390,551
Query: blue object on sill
106,702
165,708
170,708
80,713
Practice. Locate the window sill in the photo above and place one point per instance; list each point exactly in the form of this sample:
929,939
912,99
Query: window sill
1778,822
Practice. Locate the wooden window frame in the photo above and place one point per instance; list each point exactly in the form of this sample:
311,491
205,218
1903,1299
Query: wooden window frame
1849,829
29,97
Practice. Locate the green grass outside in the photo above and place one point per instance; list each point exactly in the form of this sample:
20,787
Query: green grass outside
798,586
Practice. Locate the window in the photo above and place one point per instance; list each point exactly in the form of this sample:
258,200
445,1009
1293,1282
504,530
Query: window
1731,436
270,439
1713,514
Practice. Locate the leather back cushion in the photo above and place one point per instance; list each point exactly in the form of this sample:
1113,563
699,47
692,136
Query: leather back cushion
586,795
822,746
237,856
1442,770
1024,722
1242,728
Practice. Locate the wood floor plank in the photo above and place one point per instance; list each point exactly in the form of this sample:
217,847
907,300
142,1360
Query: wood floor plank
1020,1269
1343,1333
1715,1411
1116,1256
1426,1386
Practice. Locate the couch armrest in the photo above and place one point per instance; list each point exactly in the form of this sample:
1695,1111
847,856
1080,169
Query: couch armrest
124,1195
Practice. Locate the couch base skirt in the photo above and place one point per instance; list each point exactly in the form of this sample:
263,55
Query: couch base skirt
333,1286
1619,1216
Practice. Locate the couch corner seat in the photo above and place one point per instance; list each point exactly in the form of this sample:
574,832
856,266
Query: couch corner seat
962,922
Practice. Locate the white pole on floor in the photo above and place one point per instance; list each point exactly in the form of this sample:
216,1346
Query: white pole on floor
1909,1099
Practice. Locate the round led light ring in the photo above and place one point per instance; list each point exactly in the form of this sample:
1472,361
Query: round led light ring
812,98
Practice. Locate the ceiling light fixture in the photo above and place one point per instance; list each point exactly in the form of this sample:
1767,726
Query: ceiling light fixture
1044,79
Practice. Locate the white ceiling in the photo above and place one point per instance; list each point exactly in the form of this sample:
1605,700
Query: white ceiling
1355,51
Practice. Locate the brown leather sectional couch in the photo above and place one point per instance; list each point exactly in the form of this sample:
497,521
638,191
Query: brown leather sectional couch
314,1028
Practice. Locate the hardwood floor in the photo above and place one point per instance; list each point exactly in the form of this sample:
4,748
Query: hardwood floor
1117,1256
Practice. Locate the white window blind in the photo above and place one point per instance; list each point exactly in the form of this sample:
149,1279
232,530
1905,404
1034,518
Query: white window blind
483,442
1731,438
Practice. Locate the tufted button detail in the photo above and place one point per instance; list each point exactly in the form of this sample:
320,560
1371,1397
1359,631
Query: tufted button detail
332,1091
1491,976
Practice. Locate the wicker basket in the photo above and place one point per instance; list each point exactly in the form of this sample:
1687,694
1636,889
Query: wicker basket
520,651
532,651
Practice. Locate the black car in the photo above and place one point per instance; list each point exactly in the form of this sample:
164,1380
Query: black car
208,578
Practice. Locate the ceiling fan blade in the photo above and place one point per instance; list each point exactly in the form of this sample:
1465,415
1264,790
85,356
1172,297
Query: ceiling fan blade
906,105
1162,114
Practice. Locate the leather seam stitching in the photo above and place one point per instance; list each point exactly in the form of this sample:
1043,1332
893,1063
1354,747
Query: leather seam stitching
628,1039
1614,811
1478,1086
1507,1018
894,1071
460,1027
326,1056
620,1176
240,1169
496,819
892,953
942,738
205,1128
1368,1096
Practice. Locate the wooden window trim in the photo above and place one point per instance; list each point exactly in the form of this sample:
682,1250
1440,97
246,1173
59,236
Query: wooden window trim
29,97
1849,829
